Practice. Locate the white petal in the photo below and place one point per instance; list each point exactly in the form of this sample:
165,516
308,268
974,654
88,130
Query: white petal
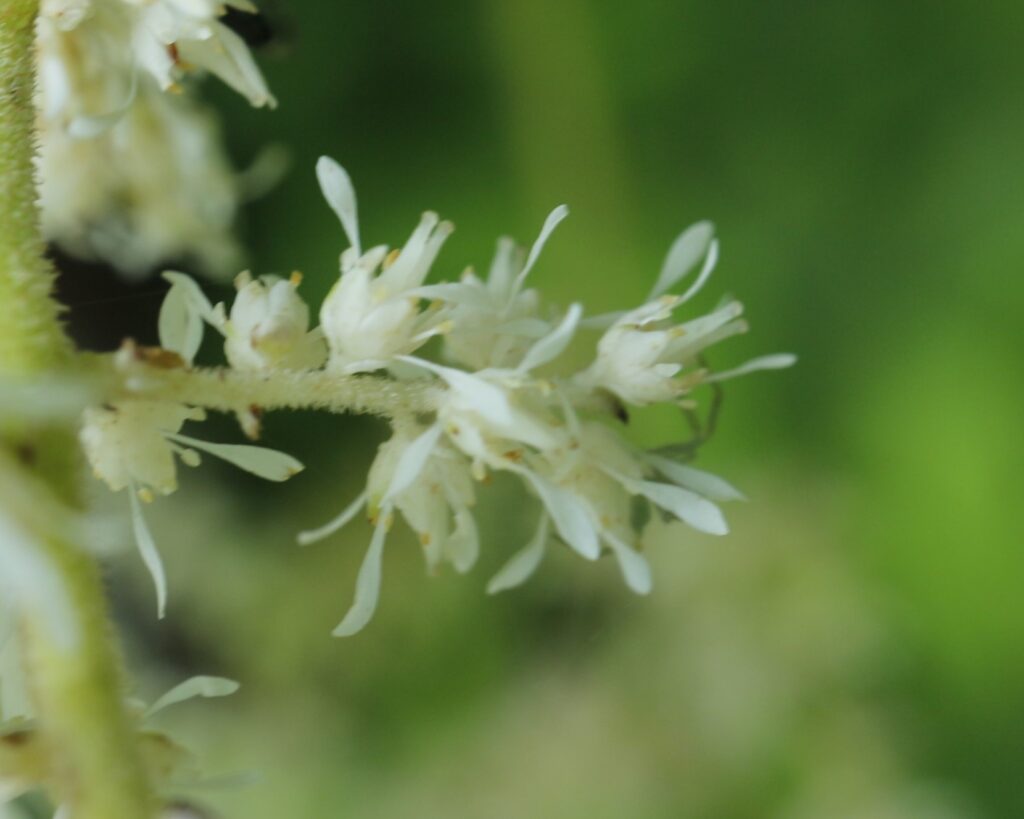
341,196
703,483
636,571
454,293
463,546
688,249
779,361
688,506
525,327
414,457
180,326
524,562
260,461
571,518
705,273
313,535
150,555
476,394
200,304
602,321
556,216
554,343
368,582
192,688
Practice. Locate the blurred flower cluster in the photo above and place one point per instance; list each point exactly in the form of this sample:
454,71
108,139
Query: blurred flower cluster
132,169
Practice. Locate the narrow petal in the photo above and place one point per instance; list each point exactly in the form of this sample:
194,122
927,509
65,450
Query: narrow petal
636,571
148,551
463,546
350,511
554,343
703,483
412,461
260,461
553,220
705,273
688,249
779,361
688,506
341,196
192,688
602,321
523,563
571,518
475,393
454,293
368,582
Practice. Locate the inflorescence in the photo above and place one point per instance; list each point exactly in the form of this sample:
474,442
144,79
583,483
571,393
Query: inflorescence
497,399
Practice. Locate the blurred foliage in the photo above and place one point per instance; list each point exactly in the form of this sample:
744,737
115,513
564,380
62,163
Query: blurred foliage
855,648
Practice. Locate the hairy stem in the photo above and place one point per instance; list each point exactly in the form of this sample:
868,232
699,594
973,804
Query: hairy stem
226,390
74,672
31,337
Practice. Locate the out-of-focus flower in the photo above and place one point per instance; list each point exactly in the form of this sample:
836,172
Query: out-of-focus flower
129,174
154,186
132,445
91,53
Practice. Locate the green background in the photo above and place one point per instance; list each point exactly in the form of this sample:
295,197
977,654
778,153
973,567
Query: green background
855,648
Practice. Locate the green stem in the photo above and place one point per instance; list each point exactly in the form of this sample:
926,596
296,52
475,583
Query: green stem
75,674
31,338
225,390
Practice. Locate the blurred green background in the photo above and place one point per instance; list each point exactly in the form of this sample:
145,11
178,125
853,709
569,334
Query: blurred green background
855,648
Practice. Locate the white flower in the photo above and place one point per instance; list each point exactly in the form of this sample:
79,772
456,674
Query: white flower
132,444
372,315
589,490
495,322
645,359
128,446
90,52
172,36
267,327
429,483
642,357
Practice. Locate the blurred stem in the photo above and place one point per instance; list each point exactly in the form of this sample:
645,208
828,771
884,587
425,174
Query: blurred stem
565,136
75,681
76,685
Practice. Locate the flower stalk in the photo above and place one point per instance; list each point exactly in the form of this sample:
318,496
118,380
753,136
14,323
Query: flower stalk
221,389
74,674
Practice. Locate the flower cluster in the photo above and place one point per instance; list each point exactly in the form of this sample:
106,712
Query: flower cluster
500,403
131,174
